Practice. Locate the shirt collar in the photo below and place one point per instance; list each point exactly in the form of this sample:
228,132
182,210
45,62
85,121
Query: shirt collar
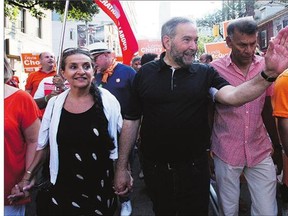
164,66
228,61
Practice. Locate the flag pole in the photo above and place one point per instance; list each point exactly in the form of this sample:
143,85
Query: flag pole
62,37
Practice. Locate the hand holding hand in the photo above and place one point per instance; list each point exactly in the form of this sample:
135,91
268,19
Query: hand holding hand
123,182
21,190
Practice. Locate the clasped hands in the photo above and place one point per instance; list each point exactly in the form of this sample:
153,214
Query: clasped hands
20,190
124,182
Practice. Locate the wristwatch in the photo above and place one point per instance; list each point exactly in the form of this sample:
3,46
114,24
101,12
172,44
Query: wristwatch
269,79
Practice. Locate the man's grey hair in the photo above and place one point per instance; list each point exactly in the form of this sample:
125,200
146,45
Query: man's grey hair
169,27
246,25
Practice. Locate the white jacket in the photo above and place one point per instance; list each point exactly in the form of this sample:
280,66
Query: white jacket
50,122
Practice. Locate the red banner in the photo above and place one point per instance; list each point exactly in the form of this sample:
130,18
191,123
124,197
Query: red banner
128,43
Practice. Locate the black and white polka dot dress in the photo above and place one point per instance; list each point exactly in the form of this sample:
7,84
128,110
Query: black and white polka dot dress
84,181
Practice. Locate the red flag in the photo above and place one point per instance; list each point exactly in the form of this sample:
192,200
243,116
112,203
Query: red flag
128,43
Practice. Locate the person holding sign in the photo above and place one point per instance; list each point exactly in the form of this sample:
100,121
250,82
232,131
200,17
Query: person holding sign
47,61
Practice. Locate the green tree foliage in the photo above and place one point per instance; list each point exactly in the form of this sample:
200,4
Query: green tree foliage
78,10
231,9
203,40
210,19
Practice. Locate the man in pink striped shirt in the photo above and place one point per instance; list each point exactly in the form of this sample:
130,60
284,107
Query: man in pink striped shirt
240,142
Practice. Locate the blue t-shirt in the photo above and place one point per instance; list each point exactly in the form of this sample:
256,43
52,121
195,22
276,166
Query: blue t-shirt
119,84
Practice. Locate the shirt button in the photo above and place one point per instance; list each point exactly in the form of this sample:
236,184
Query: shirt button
247,112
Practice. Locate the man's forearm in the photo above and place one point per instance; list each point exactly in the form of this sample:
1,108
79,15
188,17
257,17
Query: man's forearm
246,92
127,139
269,122
283,133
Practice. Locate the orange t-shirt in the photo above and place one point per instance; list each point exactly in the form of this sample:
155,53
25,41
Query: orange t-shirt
280,96
20,111
35,78
280,109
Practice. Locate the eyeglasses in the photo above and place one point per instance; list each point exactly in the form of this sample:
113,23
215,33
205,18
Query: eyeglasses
97,55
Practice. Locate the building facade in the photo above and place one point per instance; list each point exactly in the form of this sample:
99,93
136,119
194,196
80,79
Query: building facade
270,26
26,34
82,34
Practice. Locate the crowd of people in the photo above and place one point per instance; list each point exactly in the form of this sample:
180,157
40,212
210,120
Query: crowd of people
84,123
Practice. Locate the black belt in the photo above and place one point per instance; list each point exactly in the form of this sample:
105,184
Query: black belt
178,164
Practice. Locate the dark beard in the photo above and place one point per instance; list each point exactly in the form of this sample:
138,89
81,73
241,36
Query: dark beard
180,62
178,58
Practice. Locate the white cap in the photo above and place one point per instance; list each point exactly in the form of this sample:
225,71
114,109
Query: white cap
98,47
